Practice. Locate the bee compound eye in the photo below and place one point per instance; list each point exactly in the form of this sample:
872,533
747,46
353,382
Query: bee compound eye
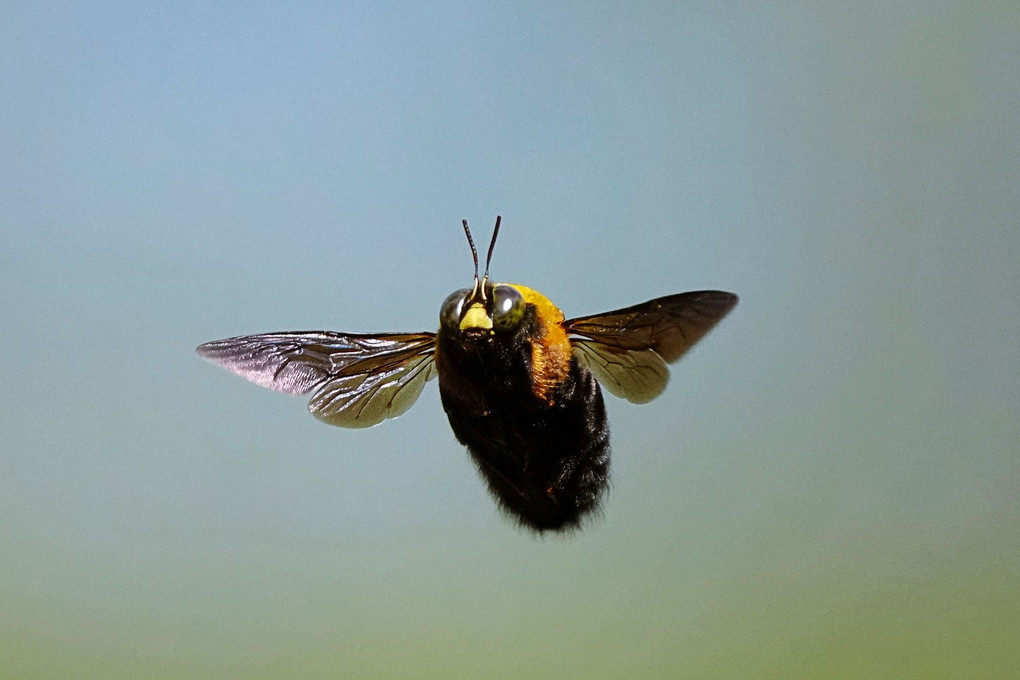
453,305
507,308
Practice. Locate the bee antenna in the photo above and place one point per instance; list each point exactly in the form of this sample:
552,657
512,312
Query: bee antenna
474,256
471,242
492,244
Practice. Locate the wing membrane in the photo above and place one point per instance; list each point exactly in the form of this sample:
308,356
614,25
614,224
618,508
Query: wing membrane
368,391
634,375
359,379
621,347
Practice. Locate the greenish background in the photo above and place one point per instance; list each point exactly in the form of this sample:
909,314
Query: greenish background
828,488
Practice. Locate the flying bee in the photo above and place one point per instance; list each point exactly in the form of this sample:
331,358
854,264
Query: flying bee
519,382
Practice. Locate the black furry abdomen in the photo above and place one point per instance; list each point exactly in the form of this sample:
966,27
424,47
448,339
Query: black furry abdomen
546,462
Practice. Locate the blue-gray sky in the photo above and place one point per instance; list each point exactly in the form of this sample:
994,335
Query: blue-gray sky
828,487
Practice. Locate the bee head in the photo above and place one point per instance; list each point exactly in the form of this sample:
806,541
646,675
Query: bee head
485,309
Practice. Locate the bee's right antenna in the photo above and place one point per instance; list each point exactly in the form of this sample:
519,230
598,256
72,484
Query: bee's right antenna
492,244
479,290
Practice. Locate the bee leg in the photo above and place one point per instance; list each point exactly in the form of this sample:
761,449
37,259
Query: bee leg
561,479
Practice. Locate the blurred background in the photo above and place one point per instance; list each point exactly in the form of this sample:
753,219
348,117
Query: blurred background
828,488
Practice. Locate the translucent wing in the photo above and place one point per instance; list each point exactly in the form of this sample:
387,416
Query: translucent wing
373,389
627,350
635,375
359,379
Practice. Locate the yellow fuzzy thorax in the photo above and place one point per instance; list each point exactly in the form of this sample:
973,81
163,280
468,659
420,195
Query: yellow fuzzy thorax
550,352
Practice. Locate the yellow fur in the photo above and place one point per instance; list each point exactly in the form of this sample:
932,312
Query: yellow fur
550,353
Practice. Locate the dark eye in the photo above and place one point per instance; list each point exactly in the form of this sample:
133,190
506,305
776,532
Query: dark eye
449,313
507,308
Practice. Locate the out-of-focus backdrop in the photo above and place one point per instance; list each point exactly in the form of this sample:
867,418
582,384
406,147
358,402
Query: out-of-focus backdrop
828,488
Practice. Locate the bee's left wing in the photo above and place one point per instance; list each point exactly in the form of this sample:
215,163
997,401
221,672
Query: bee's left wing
359,379
627,350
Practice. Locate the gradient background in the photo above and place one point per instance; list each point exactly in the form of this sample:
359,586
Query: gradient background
828,488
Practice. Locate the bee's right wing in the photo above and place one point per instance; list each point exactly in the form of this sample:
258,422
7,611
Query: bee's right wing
359,379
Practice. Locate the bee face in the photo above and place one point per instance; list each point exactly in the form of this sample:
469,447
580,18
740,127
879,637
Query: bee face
472,317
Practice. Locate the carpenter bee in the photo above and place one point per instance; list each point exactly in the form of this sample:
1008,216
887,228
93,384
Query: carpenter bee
519,382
